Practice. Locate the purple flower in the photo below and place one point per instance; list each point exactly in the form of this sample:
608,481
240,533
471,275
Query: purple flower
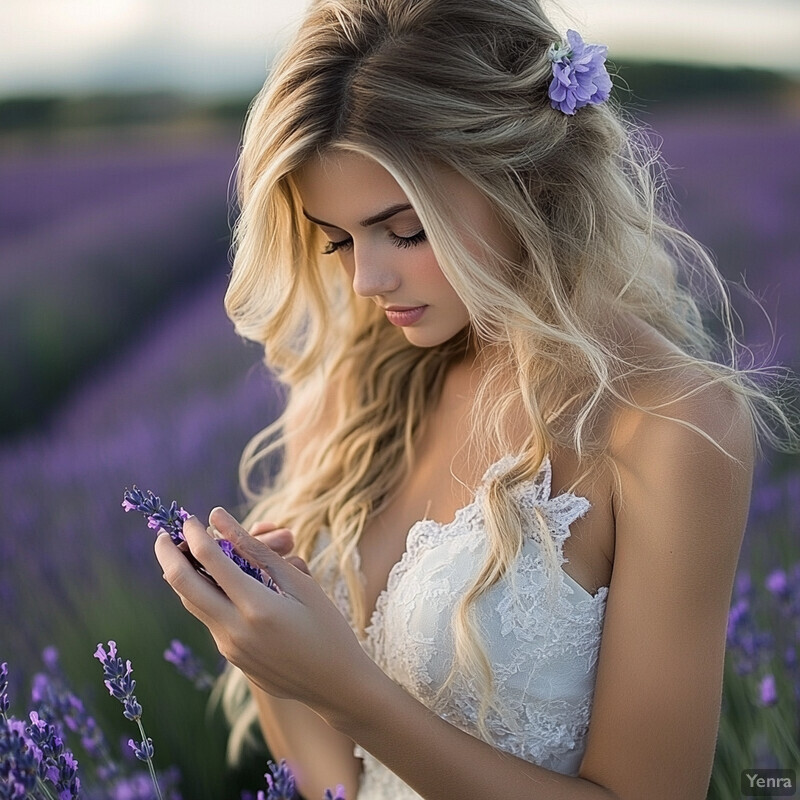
776,583
743,583
120,684
119,680
19,760
768,695
329,795
57,764
158,516
580,77
188,665
143,750
4,702
171,520
281,784
53,700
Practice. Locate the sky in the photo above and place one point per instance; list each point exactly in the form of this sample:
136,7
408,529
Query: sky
219,46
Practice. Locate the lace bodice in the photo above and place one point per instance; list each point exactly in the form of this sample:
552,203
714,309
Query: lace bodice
543,648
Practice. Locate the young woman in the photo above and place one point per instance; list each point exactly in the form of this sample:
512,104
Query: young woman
516,464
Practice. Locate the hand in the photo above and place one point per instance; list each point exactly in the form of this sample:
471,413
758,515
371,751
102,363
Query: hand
294,644
281,540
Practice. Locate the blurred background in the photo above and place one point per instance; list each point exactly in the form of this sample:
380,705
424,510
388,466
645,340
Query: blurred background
120,122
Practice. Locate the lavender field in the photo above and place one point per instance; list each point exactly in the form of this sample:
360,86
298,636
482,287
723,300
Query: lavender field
113,268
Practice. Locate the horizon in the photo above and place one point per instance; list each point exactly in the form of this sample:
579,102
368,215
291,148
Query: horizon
191,46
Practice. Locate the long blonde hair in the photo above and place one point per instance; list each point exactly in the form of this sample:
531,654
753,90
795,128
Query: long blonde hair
460,84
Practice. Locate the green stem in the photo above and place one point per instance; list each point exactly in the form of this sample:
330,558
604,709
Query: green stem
40,784
150,761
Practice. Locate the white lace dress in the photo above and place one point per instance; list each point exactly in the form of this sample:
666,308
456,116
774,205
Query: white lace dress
544,654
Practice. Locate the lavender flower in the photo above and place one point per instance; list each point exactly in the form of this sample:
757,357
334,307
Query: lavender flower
768,694
53,700
188,665
19,761
281,783
120,684
171,520
777,583
158,517
57,764
579,74
143,750
4,703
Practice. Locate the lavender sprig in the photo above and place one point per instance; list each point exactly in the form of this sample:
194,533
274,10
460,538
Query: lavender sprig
171,520
57,764
4,702
55,701
281,784
188,665
19,765
120,684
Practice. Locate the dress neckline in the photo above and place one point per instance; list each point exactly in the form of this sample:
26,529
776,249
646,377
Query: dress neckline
413,537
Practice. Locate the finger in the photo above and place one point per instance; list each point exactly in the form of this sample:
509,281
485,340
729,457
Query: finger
263,526
205,548
280,540
204,601
299,563
284,574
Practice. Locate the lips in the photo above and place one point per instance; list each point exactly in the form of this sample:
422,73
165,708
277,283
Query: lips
404,316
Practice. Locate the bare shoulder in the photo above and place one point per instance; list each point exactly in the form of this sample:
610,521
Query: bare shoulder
676,406
684,467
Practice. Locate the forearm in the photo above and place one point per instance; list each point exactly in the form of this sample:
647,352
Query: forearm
319,756
438,760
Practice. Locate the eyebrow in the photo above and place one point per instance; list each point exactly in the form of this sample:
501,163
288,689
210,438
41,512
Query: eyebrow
381,216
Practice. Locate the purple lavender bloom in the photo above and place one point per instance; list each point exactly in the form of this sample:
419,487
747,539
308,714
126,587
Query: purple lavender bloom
736,616
119,680
53,700
768,695
743,583
580,77
19,760
4,702
171,520
57,764
777,583
140,787
329,795
281,784
143,750
188,665
158,517
120,684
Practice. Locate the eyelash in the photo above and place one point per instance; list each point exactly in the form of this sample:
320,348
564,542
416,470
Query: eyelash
398,241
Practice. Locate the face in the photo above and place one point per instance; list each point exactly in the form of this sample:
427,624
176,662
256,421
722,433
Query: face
378,238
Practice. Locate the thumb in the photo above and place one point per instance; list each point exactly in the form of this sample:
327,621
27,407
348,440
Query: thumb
255,551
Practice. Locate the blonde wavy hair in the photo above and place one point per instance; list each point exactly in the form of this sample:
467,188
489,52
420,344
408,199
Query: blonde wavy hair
460,84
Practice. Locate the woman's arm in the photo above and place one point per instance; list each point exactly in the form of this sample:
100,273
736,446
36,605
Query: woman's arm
656,707
319,756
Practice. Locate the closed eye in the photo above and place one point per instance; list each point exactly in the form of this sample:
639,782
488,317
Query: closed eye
409,241
398,241
334,247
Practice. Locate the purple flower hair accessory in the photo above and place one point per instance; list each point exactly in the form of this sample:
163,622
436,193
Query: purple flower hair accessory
580,77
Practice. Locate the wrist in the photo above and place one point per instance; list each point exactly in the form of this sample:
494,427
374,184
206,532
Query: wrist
353,710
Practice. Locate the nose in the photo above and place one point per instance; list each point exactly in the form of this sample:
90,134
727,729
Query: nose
373,274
